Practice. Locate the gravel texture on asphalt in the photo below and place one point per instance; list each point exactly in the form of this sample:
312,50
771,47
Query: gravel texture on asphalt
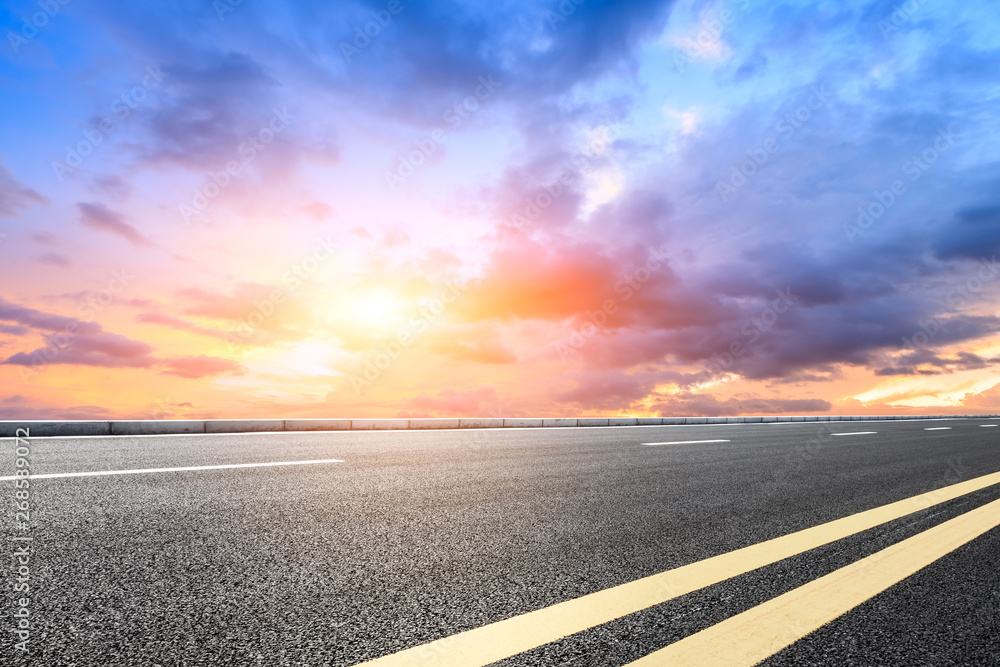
419,535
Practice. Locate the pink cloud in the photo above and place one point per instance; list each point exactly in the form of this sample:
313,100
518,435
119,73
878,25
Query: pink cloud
705,405
100,217
528,279
318,211
608,390
202,366
235,306
484,352
55,259
104,349
45,238
454,402
73,342
14,195
178,323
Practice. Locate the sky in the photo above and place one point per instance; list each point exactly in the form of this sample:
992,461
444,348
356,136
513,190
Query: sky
427,209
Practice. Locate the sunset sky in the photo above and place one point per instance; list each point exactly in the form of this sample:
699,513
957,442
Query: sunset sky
395,208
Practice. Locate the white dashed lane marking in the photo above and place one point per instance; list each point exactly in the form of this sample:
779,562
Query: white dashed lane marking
681,442
140,471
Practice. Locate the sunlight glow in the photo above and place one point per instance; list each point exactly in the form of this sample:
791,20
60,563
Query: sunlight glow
374,308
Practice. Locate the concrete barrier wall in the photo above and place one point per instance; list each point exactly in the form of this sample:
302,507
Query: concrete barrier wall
8,429
243,425
317,424
523,423
479,422
435,423
45,428
379,424
159,427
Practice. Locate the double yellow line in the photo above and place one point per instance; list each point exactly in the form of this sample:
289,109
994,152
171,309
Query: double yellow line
746,638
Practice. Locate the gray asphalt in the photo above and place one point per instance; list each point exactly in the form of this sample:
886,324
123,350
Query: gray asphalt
419,535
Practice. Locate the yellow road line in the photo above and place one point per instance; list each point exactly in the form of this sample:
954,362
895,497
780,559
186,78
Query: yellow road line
503,639
748,638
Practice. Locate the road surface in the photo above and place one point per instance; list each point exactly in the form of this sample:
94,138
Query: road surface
171,550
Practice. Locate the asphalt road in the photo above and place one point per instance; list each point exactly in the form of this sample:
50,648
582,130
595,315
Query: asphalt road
416,536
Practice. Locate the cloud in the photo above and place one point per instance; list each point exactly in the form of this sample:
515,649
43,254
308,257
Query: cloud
45,238
194,367
988,399
13,329
100,217
530,279
22,412
608,390
563,72
614,390
454,402
235,306
214,103
702,405
317,211
438,51
14,196
478,343
917,363
111,185
104,349
484,352
260,313
974,234
179,324
37,319
70,341
55,259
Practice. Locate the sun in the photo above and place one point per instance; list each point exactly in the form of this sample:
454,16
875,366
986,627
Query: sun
375,308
